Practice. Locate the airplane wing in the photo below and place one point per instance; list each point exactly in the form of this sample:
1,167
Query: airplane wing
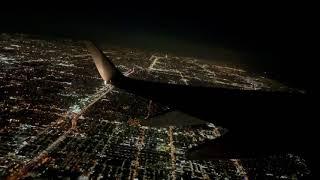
172,118
257,120
106,68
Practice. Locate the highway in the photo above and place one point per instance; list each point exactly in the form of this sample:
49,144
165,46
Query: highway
40,158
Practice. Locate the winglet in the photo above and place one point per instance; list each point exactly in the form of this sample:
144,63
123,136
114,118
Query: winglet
106,68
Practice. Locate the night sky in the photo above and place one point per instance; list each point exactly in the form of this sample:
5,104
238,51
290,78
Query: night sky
263,37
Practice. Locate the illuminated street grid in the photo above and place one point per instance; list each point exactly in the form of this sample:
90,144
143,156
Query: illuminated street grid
59,120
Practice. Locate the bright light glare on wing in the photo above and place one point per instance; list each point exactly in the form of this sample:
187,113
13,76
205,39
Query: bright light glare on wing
105,67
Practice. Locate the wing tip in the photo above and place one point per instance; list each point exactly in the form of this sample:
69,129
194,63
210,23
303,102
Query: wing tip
106,68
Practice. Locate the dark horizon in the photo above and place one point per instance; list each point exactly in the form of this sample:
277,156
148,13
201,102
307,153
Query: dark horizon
264,38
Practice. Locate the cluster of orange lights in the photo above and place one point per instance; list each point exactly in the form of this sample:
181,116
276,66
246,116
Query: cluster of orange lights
133,122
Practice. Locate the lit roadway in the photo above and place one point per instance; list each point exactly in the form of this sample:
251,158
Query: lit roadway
172,153
42,157
236,162
139,145
240,170
100,94
39,159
